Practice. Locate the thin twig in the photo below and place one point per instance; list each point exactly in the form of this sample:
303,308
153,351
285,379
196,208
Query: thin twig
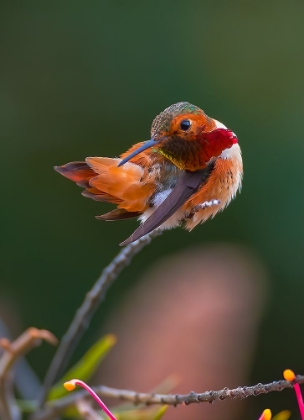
90,304
60,405
32,337
85,409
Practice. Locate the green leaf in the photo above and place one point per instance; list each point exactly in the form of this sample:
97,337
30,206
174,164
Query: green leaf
160,412
27,406
86,366
283,415
141,414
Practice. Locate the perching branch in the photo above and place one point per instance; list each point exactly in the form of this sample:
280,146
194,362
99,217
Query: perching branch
32,337
85,409
58,406
90,304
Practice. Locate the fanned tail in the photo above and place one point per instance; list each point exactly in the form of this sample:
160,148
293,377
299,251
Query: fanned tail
104,181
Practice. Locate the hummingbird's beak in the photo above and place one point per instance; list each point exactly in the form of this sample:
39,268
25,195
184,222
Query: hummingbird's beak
147,144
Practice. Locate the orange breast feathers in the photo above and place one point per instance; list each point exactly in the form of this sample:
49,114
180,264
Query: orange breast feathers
105,181
223,184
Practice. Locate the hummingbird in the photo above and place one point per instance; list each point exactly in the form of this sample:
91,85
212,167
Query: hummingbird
189,170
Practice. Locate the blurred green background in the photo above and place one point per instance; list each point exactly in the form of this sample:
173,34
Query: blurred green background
81,79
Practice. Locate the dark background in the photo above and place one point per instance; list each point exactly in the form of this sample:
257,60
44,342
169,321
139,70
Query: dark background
81,79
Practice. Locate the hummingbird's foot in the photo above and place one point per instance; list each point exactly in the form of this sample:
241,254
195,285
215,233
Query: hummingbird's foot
206,204
203,206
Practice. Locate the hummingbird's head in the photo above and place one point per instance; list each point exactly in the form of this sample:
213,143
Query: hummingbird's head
170,120
187,137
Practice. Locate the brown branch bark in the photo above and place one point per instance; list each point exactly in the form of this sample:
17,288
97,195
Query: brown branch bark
241,392
86,411
82,318
32,337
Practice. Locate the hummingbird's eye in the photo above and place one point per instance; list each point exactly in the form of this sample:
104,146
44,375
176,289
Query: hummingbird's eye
185,125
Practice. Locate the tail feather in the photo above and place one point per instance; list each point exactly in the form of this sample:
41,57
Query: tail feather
104,181
118,214
96,195
85,183
75,171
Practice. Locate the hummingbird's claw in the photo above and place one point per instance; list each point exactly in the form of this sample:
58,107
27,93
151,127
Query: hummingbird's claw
206,204
203,206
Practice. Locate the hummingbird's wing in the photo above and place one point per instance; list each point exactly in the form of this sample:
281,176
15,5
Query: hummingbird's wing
187,184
